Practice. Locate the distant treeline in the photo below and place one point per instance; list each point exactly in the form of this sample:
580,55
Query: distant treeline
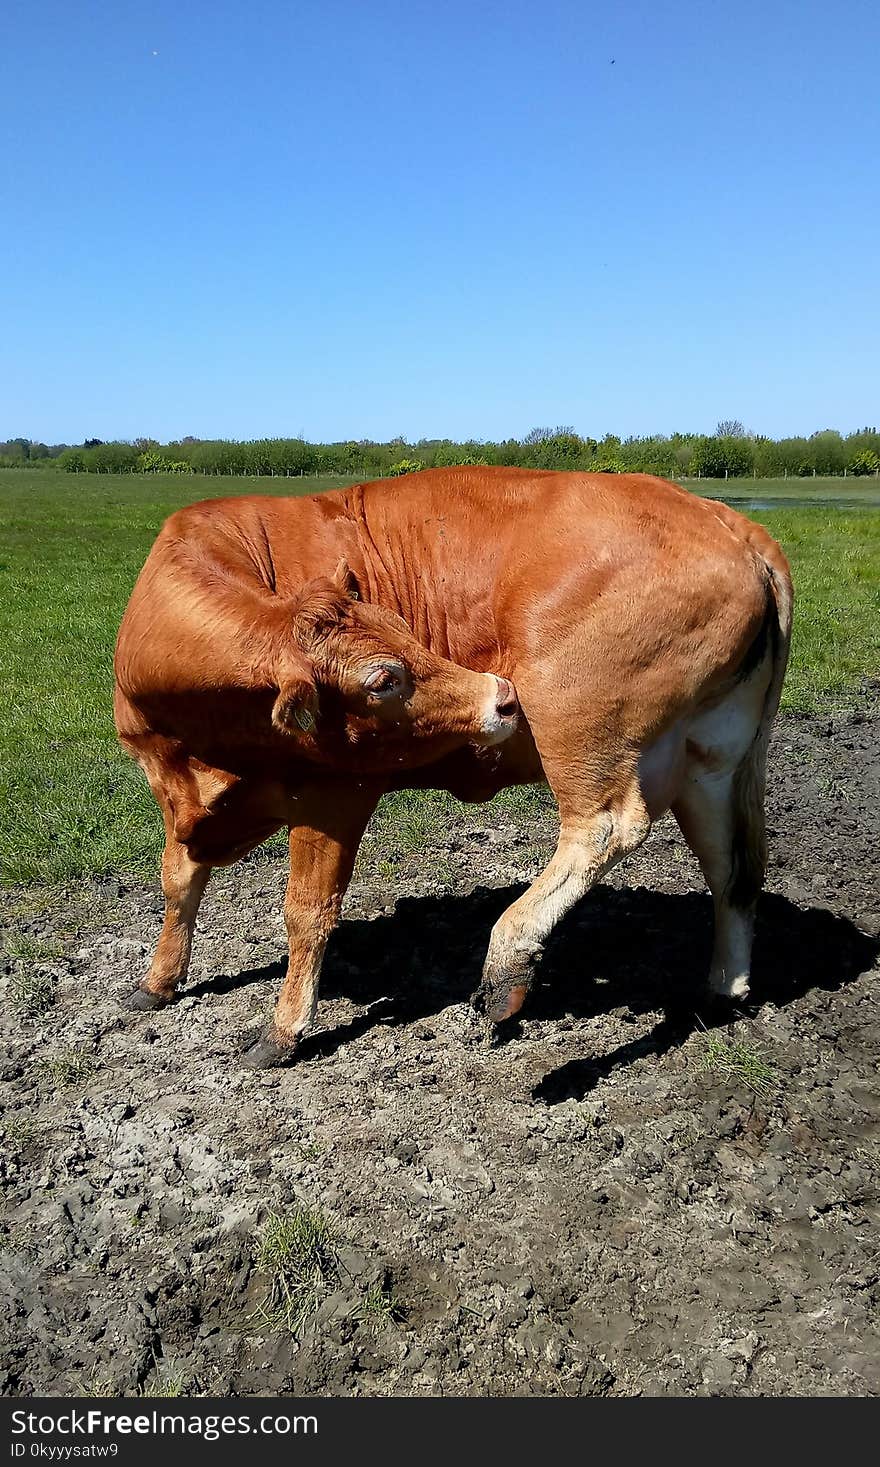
729,452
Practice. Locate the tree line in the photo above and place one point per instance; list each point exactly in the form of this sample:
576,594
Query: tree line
730,452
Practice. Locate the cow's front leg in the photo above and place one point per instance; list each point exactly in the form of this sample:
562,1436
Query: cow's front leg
588,846
327,825
183,886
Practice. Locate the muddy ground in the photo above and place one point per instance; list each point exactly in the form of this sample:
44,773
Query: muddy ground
592,1207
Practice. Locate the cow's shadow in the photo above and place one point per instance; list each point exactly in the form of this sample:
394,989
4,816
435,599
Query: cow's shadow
639,949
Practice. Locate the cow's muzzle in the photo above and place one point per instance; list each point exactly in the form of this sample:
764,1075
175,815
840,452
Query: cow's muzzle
501,711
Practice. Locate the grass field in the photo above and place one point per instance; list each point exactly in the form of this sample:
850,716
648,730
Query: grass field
71,547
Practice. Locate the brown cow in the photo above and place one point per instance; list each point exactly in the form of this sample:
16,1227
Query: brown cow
287,661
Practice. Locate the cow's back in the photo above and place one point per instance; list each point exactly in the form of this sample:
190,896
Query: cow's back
493,562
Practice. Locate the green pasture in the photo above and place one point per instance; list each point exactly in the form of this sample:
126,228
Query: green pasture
71,547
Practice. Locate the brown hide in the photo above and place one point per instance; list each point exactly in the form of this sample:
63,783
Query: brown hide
624,583
623,609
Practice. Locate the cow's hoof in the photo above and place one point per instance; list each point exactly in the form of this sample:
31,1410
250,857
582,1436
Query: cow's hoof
726,1003
498,1004
268,1053
143,1001
506,1004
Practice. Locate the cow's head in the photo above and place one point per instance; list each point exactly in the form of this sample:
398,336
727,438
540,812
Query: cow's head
355,684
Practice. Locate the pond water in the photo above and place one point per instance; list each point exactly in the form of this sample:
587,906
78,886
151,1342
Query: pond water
758,505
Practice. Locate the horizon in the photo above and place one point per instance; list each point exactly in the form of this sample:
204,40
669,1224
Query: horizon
426,439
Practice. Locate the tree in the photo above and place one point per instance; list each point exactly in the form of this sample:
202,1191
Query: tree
718,458
405,466
455,455
724,453
865,440
789,453
866,462
111,458
150,462
682,453
828,452
540,435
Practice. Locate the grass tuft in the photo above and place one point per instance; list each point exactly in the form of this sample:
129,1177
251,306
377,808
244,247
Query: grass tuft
164,1384
31,993
380,1306
67,1068
297,1251
735,1060
18,1129
99,1387
31,949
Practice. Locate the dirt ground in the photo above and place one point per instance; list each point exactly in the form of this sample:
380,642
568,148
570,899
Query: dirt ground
593,1207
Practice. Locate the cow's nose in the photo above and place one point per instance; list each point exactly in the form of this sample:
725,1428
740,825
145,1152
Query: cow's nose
507,704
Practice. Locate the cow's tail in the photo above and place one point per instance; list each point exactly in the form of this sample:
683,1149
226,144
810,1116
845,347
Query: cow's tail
749,854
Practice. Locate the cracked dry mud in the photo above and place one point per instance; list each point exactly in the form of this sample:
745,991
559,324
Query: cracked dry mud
585,1209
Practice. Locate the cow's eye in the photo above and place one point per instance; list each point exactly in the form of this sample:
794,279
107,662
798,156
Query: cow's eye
383,680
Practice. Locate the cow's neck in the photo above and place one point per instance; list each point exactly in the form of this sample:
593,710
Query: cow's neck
423,561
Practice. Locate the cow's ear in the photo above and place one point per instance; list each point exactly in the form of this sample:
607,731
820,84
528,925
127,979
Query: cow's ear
345,578
296,707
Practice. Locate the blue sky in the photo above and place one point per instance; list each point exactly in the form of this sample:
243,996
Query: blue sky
458,218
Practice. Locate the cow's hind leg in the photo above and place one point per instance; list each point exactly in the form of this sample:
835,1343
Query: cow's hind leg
183,885
593,837
721,814
328,821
